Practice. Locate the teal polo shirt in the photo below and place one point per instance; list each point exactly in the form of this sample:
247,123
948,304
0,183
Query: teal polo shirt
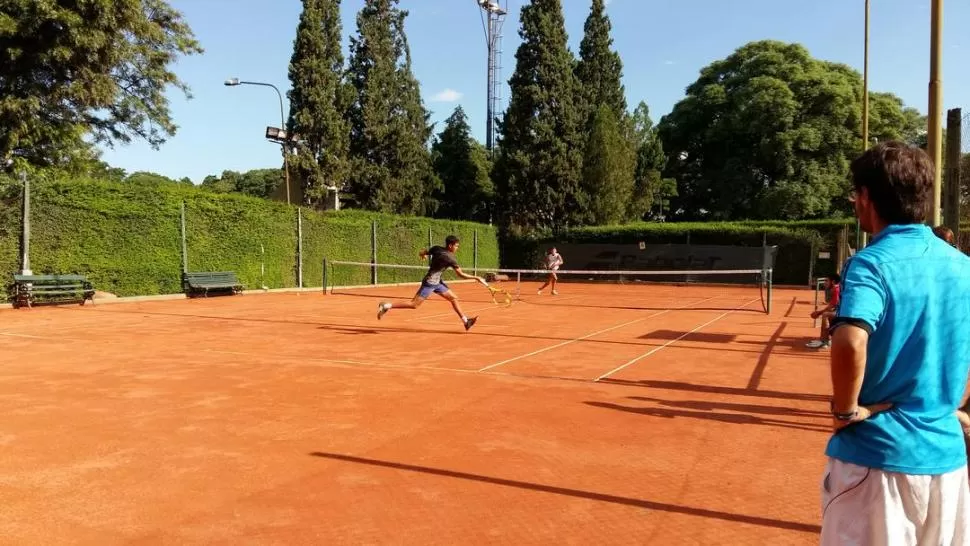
911,291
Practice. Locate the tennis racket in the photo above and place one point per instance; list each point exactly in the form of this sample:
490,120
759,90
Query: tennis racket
499,295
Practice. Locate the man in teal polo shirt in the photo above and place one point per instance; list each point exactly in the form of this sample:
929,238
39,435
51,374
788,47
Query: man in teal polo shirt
897,467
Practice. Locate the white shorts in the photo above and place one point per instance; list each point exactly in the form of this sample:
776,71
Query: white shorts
869,507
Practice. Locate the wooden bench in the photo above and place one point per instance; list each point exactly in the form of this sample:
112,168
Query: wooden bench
203,282
27,290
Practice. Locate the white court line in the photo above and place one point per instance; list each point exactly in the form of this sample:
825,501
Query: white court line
587,336
672,341
11,334
492,306
353,363
449,312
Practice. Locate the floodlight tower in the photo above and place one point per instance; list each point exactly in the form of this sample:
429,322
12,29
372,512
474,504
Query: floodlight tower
493,16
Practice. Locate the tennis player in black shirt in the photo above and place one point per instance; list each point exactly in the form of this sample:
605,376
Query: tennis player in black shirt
442,258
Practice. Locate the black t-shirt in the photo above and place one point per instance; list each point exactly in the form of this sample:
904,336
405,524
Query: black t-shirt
441,259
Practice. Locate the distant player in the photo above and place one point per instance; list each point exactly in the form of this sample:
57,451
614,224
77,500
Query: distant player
833,292
441,259
552,262
946,234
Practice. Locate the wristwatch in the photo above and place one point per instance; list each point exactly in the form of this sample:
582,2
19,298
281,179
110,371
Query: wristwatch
843,416
846,416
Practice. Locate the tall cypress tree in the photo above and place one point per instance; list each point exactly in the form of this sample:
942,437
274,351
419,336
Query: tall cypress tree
608,162
539,167
462,165
389,124
599,68
319,100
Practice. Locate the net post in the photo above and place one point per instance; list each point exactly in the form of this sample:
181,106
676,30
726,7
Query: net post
325,277
518,285
770,283
373,251
815,320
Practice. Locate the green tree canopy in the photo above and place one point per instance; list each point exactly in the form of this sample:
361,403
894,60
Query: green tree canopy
600,70
319,99
96,70
462,165
649,186
147,178
769,131
608,169
539,169
257,182
390,131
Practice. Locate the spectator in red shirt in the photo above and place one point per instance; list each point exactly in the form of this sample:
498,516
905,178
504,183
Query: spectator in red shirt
832,293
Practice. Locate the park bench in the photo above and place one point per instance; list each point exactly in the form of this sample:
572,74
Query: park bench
27,290
205,282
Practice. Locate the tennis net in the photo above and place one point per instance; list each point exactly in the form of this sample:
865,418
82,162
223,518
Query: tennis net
651,289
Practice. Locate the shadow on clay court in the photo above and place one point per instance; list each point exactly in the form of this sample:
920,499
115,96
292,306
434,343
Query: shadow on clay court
741,408
717,389
535,301
577,493
734,418
796,343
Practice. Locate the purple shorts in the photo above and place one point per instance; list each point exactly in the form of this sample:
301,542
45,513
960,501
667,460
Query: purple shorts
427,289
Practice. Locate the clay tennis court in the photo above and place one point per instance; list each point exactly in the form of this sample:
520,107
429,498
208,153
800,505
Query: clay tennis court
299,418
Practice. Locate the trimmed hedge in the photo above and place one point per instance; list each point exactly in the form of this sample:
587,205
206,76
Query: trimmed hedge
126,238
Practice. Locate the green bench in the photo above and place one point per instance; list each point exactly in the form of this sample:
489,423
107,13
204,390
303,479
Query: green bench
202,283
27,290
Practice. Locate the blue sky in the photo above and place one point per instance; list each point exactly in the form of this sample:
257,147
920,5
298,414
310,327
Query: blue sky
663,43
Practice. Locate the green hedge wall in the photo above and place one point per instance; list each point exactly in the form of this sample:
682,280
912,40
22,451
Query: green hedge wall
126,238
797,246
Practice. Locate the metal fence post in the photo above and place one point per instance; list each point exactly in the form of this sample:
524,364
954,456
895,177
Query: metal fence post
475,250
185,248
25,241
299,247
373,251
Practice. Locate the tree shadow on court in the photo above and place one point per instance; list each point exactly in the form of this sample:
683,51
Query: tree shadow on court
578,493
718,389
371,330
733,418
741,408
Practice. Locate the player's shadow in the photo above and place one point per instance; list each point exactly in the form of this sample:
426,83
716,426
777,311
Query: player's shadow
577,493
733,418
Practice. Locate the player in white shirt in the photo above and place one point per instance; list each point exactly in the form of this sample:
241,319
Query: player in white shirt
552,262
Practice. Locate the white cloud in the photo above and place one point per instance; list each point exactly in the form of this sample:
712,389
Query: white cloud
448,95
669,62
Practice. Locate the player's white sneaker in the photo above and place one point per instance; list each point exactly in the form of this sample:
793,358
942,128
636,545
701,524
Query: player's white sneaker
382,308
538,292
818,344
555,292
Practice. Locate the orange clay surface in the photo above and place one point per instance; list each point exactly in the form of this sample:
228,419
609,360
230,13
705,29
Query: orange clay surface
302,419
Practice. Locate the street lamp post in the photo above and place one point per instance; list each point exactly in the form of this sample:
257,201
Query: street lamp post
860,237
934,138
232,82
